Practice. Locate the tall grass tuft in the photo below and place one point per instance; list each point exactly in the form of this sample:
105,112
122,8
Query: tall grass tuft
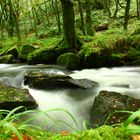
131,125
11,124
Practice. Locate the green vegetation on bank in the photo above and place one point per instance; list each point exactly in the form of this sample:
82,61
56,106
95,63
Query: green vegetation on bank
108,42
13,128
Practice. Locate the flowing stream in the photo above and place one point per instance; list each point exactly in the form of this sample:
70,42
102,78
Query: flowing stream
78,102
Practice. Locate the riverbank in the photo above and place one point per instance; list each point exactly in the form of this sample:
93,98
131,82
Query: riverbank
106,49
23,131
13,129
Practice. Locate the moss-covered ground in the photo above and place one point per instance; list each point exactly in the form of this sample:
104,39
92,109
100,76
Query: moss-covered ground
102,133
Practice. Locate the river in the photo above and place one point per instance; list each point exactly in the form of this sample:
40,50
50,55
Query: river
78,102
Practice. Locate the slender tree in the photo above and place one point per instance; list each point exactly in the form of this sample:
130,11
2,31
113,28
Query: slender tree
89,28
81,17
117,7
68,24
16,18
57,14
126,16
10,22
106,4
138,8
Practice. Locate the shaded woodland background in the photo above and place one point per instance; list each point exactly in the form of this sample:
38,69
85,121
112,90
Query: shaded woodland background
21,18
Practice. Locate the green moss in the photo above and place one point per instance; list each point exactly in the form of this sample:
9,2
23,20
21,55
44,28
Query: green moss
45,55
13,51
119,132
134,41
136,62
8,43
102,133
24,51
116,60
11,97
62,48
89,48
8,59
8,94
133,54
44,42
70,60
94,54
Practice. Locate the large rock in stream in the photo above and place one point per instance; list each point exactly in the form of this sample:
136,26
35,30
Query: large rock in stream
11,97
108,102
40,80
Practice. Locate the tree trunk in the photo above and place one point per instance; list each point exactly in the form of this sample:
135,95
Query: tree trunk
10,25
16,19
47,16
57,16
116,10
138,9
88,19
33,16
126,17
81,17
107,7
68,24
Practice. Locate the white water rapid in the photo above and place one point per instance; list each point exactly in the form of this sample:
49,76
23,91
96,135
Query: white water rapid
78,102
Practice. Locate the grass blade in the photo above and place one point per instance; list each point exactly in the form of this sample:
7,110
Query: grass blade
13,129
131,118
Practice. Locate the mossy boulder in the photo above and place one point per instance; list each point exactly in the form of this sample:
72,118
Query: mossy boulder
11,97
43,56
70,60
7,59
24,51
133,54
120,45
62,48
135,62
12,51
116,60
94,56
134,41
106,103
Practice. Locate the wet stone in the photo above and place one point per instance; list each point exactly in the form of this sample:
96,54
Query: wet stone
11,97
39,80
105,107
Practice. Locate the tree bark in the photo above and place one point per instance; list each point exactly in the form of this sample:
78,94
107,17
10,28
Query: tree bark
81,17
138,9
126,17
107,7
57,16
116,10
69,24
10,13
88,18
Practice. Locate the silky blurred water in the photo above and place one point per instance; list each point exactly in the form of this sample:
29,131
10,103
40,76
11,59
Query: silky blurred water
78,102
